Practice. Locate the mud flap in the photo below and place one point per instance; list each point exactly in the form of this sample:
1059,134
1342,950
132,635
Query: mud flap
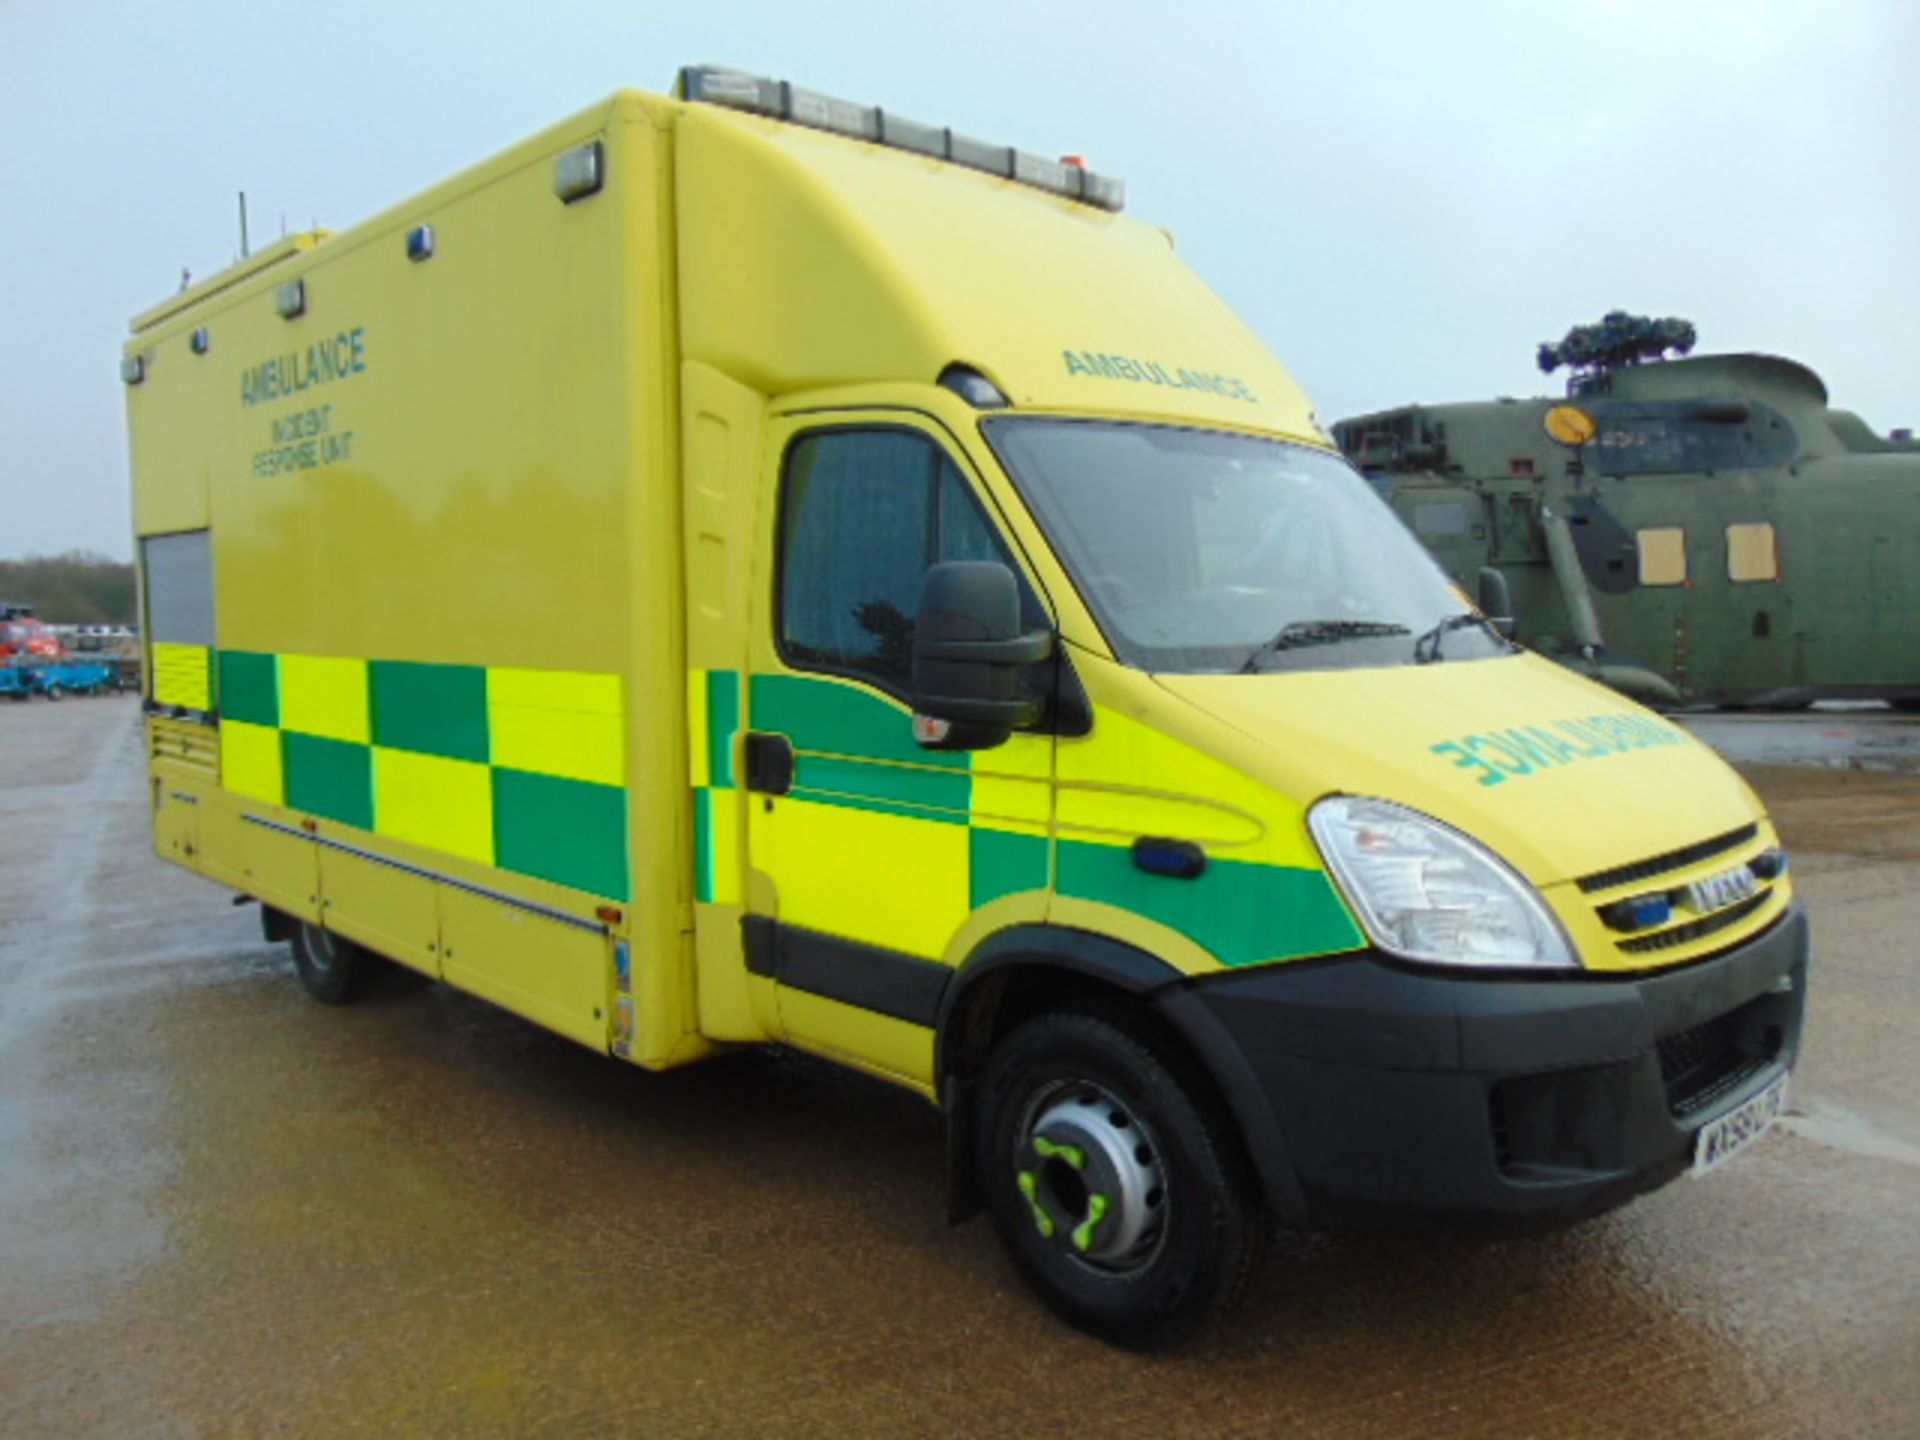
963,1184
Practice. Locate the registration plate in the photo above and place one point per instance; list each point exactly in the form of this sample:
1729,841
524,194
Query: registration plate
1716,892
1726,1137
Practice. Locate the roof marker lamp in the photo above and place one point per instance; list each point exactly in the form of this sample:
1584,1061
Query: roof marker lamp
1425,891
579,172
973,387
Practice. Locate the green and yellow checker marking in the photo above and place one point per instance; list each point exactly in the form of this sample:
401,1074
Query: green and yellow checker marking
1245,913
886,843
1264,895
183,675
521,769
713,725
879,840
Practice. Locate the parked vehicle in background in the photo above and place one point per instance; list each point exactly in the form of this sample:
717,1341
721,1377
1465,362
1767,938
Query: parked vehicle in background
35,661
1699,529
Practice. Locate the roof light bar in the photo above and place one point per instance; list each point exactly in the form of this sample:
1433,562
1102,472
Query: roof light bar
778,100
827,112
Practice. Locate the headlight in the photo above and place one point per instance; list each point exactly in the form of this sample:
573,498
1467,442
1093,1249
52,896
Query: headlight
1425,891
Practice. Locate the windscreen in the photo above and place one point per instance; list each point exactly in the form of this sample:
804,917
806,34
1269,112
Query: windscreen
1203,551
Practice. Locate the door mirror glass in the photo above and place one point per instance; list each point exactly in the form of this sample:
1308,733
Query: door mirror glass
970,656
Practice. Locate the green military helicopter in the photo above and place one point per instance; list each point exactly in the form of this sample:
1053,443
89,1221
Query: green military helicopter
1689,530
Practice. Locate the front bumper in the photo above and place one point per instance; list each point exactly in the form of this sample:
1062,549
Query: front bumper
1403,1091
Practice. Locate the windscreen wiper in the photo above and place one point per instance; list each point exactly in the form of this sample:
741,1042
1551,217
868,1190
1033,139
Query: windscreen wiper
1298,634
1427,648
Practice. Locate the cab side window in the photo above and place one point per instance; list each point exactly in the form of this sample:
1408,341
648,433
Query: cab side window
863,515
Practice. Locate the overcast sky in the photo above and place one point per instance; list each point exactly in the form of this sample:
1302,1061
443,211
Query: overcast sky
1401,198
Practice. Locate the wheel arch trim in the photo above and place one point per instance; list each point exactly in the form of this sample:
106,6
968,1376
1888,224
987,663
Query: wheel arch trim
1165,992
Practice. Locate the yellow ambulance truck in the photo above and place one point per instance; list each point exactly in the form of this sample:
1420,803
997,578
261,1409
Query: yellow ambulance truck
747,567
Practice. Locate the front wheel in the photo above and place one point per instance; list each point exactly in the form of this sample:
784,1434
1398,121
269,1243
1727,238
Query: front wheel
333,969
1118,1187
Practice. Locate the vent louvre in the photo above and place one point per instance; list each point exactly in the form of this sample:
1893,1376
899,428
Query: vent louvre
1673,860
1687,933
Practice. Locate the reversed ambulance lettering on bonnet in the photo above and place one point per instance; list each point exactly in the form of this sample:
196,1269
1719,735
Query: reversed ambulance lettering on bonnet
1493,755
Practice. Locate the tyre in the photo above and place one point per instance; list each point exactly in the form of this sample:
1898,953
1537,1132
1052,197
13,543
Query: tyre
333,969
1118,1186
54,692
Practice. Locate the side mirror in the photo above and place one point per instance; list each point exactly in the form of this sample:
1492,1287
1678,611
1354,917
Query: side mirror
968,655
1496,601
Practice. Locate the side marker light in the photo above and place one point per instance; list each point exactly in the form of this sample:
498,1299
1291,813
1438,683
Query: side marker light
1181,859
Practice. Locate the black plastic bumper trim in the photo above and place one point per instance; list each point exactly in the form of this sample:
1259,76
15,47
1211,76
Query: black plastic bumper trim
887,982
1398,1090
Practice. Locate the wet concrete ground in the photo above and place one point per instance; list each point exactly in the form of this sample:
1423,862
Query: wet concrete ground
1841,734
226,1210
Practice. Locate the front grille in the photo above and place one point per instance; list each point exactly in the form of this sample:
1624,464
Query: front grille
1500,1127
1704,1064
1672,860
1687,933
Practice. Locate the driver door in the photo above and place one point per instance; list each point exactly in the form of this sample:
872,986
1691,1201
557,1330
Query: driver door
868,857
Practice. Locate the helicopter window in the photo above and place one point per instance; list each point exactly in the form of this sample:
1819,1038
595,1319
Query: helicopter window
1663,556
1752,553
1440,517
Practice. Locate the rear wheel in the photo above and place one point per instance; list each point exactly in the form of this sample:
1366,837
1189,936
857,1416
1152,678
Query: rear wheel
333,969
1120,1190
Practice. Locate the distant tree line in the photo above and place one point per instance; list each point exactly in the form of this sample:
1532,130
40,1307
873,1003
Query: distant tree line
81,587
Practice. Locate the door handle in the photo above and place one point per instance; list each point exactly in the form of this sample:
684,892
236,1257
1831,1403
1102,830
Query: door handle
769,763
